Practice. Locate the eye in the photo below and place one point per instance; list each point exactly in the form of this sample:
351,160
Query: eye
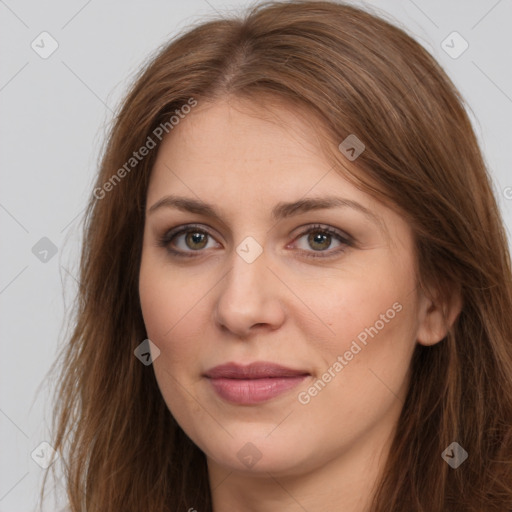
194,239
192,236
319,238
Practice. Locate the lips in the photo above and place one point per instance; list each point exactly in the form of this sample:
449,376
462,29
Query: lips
254,383
258,370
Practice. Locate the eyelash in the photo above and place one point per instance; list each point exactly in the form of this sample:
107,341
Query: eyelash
165,240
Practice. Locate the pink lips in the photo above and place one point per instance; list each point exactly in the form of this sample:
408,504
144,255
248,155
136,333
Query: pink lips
254,383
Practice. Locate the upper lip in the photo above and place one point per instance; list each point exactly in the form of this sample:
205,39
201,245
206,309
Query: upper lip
256,370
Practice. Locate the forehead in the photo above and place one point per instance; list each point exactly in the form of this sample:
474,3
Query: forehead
239,155
237,143
246,129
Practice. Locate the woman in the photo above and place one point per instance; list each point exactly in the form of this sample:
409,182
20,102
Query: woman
296,283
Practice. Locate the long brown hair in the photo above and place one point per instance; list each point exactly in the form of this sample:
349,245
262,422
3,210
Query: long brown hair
360,75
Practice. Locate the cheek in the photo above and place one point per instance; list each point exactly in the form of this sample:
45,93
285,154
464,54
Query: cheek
366,372
373,320
156,298
164,294
368,304
168,317
176,308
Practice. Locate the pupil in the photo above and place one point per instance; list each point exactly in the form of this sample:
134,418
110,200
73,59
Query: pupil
319,238
197,237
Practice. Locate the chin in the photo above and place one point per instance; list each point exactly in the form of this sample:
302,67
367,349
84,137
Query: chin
260,454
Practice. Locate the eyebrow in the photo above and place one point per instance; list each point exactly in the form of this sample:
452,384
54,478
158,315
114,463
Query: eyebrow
280,211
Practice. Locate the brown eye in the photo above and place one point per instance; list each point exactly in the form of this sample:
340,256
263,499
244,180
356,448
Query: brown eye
185,241
196,239
320,238
190,241
319,241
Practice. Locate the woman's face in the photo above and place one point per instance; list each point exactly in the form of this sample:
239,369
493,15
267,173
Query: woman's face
263,282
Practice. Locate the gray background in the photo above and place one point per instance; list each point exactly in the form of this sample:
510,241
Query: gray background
54,115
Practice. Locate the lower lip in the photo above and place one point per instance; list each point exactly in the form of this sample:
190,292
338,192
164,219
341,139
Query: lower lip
254,391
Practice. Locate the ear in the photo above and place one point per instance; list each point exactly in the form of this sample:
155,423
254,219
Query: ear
436,316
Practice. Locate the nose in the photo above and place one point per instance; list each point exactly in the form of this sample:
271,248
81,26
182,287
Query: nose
249,298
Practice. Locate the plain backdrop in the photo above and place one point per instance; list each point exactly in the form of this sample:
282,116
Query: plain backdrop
54,113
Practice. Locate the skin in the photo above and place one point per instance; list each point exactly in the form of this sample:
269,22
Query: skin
283,307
